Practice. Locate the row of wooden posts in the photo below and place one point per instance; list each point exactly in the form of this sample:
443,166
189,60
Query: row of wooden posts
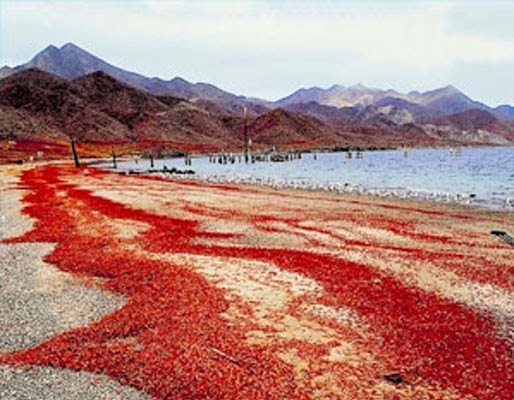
222,159
76,160
231,158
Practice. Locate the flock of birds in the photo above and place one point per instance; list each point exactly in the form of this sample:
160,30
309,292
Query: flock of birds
402,193
444,197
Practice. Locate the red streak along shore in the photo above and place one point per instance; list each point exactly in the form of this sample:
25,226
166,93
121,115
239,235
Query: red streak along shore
171,338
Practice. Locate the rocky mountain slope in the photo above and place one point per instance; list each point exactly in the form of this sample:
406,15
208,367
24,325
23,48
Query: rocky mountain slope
84,96
98,108
36,105
281,127
393,122
337,96
446,100
70,62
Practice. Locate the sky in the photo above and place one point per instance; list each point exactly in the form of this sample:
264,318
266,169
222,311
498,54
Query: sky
270,48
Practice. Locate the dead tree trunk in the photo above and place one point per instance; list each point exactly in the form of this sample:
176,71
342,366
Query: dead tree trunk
74,151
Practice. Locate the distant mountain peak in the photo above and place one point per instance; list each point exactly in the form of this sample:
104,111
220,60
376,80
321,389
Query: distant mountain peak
310,89
70,45
179,80
445,90
73,49
97,107
50,48
336,96
359,86
69,61
450,89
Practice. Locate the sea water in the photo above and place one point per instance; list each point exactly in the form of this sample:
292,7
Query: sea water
479,176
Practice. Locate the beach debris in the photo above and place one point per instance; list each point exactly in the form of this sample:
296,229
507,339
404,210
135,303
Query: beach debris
224,355
278,158
164,170
503,236
395,377
187,159
173,170
409,377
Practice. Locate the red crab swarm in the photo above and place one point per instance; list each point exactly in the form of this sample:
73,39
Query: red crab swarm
169,338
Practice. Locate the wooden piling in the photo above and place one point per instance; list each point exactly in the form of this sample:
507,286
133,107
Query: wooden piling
245,132
74,151
114,164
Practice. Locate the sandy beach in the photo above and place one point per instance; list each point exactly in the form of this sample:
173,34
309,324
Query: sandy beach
137,287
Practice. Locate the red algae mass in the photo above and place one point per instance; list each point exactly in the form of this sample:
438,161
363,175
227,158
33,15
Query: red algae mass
171,339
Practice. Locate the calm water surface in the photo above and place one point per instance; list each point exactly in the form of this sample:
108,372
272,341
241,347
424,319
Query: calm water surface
481,176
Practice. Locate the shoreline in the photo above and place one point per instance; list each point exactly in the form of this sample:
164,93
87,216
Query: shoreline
440,176
425,197
175,151
309,294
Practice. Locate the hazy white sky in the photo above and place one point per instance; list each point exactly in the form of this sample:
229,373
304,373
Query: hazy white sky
270,48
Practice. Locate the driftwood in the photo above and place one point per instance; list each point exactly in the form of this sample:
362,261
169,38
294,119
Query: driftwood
504,236
406,377
224,355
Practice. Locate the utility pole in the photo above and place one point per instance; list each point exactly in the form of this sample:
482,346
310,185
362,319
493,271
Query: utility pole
245,132
74,151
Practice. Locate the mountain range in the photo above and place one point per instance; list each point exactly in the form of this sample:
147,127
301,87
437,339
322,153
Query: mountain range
67,91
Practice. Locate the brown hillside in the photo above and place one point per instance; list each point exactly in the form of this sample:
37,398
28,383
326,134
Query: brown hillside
55,106
280,127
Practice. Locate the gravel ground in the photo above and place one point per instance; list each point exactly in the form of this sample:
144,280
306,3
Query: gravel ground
35,299
12,222
35,296
48,383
